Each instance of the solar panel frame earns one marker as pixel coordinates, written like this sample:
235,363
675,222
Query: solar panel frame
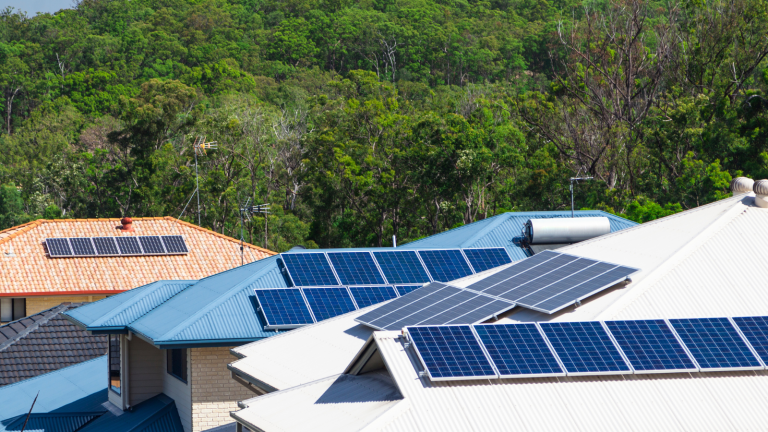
606,343
79,246
150,244
522,349
439,272
362,295
368,272
724,347
386,260
295,294
301,281
58,247
100,242
126,248
328,302
755,330
174,244
636,351
481,268
418,338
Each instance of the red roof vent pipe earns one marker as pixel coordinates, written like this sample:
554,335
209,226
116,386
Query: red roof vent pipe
127,224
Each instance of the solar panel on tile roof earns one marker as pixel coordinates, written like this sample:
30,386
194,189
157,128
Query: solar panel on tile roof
405,289
283,308
755,329
309,269
445,265
450,353
151,245
328,302
105,246
485,259
368,295
715,344
651,346
518,350
58,247
585,348
355,268
401,267
82,246
128,246
175,244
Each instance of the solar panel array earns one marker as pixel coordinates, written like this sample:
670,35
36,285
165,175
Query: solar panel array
528,350
391,267
69,247
546,282
287,308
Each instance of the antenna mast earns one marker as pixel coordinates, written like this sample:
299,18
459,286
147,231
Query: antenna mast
200,145
576,179
243,211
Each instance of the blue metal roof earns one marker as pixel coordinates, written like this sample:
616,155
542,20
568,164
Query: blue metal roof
157,414
221,310
57,422
505,230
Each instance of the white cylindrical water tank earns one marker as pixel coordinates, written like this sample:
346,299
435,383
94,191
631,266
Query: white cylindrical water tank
565,230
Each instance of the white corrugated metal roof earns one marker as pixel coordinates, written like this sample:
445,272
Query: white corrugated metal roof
702,262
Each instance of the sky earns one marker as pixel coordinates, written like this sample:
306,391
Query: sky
34,6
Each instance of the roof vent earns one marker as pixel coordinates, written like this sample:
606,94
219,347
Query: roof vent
127,224
761,193
741,185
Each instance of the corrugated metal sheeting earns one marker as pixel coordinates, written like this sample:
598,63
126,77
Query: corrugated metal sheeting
67,422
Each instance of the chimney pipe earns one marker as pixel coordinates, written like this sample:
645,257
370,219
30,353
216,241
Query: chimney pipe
127,224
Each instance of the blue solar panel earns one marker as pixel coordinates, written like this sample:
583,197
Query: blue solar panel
405,289
585,348
283,308
518,350
485,259
309,269
366,296
152,245
105,245
451,352
174,244
355,268
401,267
58,247
445,265
328,302
128,246
715,344
755,329
651,346
82,246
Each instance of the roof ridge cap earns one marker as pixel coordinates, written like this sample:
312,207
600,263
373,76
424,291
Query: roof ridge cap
21,229
226,237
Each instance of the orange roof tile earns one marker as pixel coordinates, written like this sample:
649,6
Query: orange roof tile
26,269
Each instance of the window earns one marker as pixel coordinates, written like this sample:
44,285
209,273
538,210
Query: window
177,363
114,363
12,309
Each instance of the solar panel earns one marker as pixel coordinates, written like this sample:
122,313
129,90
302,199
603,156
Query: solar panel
401,267
379,313
520,267
474,308
585,348
105,245
484,259
715,344
355,268
518,350
445,265
328,302
755,329
152,245
82,246
175,244
450,353
309,269
58,247
651,346
366,296
408,305
128,246
538,277
405,289
283,308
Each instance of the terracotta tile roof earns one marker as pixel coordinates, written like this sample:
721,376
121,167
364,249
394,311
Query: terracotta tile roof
26,269
45,342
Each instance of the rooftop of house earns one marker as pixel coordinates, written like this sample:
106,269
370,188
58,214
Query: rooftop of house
698,263
26,268
45,342
221,310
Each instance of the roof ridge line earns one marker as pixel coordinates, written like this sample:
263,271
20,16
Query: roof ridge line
499,220
21,229
135,299
27,330
674,258
232,239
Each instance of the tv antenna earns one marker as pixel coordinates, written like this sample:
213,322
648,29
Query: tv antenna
243,214
246,210
200,146
576,180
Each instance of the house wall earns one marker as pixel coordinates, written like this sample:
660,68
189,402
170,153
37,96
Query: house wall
179,391
214,392
145,375
37,304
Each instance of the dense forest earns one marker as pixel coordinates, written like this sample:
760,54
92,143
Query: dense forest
359,119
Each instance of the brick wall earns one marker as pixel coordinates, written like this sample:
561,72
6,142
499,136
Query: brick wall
214,392
37,304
